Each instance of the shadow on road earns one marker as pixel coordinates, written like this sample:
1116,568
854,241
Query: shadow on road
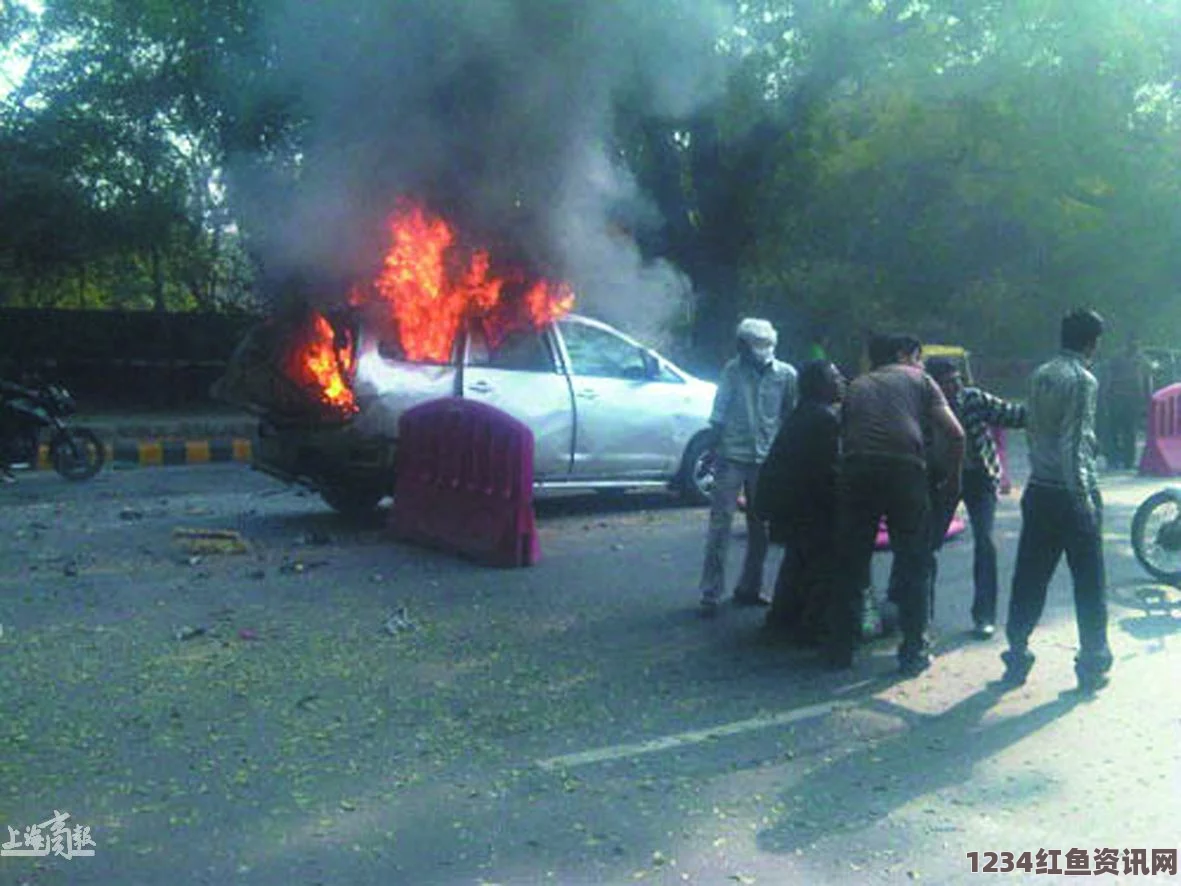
935,752
1159,606
604,503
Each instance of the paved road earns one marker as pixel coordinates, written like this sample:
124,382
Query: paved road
346,710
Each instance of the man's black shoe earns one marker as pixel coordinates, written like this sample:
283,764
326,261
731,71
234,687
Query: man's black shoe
751,600
984,630
913,665
1093,676
1018,664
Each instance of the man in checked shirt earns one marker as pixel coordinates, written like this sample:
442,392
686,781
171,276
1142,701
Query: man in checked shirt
1061,510
979,412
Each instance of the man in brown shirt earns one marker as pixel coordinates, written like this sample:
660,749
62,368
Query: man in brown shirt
883,473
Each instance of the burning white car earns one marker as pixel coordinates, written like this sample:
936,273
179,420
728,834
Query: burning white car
606,412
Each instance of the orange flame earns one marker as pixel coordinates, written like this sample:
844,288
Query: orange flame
429,286
318,364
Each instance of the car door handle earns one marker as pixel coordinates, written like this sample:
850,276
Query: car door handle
480,387
587,395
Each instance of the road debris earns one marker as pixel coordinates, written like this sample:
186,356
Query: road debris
210,541
189,632
131,514
297,567
399,622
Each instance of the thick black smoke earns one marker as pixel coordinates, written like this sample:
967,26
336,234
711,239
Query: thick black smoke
499,114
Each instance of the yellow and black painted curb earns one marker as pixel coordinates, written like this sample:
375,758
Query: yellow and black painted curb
161,453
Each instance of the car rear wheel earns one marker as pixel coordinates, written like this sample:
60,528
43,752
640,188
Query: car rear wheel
697,471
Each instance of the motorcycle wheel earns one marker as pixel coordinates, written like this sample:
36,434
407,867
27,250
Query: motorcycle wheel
1156,535
77,454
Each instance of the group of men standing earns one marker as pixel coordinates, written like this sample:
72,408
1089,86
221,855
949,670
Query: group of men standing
823,461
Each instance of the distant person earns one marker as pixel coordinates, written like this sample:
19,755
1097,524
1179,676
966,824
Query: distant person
883,473
797,496
1061,509
978,412
1125,391
819,348
755,392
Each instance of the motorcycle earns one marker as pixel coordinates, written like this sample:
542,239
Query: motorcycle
29,415
1156,535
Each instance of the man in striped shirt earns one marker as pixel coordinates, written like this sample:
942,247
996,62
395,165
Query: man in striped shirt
1061,510
979,412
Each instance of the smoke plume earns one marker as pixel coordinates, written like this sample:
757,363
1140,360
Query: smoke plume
499,114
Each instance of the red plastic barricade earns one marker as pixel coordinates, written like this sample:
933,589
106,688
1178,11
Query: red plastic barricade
465,482
1162,449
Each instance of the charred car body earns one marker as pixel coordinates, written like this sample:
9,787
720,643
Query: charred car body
606,412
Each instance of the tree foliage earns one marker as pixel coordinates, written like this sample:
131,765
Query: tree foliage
966,168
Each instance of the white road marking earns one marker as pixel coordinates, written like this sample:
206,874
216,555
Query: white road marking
696,736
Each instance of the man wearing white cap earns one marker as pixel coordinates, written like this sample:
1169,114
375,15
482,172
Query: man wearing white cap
755,392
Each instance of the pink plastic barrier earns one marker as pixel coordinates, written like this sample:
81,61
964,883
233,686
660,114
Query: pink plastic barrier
1162,449
882,542
465,482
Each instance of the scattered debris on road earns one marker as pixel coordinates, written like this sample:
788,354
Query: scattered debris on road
399,622
210,541
296,567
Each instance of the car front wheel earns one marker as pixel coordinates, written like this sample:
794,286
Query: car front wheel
697,471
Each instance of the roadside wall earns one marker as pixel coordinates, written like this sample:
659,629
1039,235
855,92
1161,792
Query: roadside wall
119,359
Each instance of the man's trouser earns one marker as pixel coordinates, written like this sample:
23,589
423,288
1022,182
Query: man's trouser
1125,416
979,497
729,479
1051,525
869,488
979,494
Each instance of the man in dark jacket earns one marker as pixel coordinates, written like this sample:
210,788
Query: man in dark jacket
797,495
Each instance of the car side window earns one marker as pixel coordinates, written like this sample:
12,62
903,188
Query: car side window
601,354
524,350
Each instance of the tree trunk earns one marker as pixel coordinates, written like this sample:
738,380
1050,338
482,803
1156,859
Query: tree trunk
157,279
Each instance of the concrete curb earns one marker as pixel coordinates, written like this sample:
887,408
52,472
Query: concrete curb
168,453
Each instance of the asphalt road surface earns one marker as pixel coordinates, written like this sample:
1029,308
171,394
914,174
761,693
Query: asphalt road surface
330,707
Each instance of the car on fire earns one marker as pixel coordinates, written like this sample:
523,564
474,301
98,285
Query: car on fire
606,412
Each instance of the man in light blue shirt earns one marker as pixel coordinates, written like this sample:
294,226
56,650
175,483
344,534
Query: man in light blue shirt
755,392
1061,510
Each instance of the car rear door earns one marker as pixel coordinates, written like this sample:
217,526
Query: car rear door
521,375
625,405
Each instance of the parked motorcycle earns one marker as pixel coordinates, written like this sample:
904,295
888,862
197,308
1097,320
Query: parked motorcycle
1156,535
29,416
